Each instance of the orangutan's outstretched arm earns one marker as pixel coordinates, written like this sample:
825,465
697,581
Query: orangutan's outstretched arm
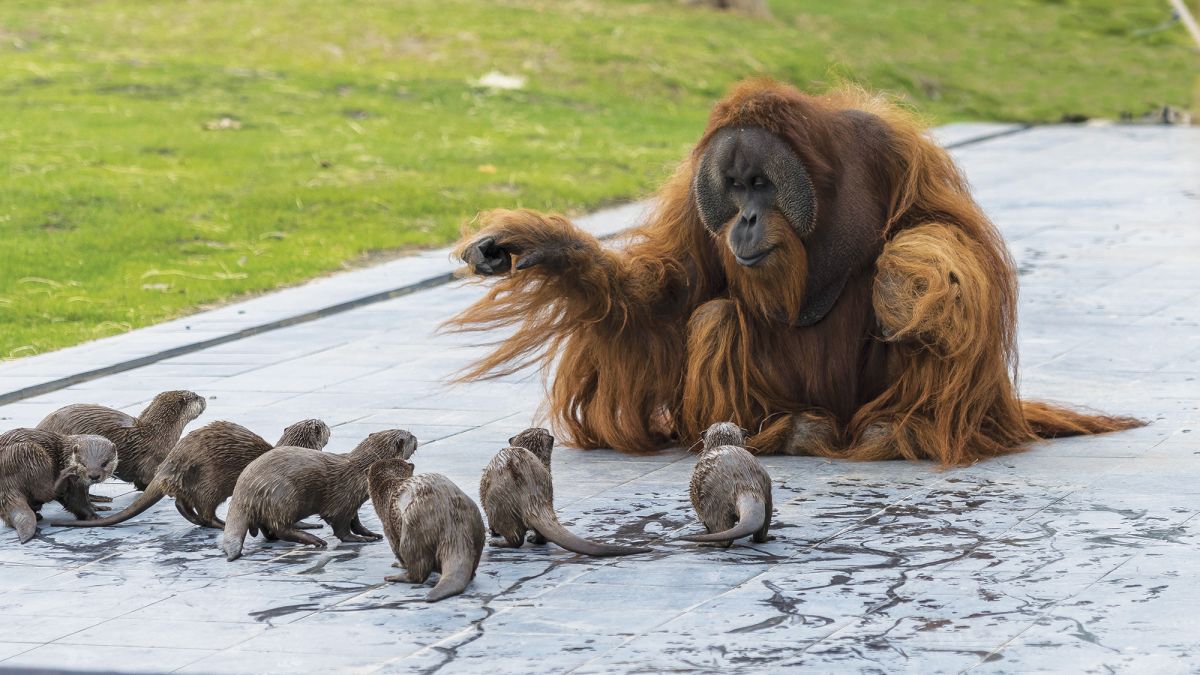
599,311
548,259
611,321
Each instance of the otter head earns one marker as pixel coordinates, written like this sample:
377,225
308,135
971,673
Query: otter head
171,407
91,459
385,475
536,440
724,433
387,445
313,434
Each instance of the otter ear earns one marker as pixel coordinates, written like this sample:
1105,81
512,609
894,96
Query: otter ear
708,185
849,235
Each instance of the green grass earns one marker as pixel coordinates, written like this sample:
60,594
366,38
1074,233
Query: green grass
361,133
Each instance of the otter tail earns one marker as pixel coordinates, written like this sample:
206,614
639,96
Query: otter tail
1054,421
752,514
457,573
18,514
546,523
151,496
236,524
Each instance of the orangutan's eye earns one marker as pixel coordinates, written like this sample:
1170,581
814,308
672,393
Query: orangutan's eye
759,182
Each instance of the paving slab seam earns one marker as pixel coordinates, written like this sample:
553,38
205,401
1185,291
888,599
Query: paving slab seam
477,628
234,647
99,622
1077,490
464,431
32,646
627,482
1026,519
1042,615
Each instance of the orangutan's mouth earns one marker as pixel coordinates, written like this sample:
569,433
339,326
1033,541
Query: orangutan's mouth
752,260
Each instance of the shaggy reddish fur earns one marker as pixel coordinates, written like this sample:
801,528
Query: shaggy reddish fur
651,344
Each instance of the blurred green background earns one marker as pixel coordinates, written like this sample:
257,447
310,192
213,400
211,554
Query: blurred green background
161,156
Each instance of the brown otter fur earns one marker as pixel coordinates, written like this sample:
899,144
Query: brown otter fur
287,484
143,441
202,469
730,489
517,493
431,525
40,466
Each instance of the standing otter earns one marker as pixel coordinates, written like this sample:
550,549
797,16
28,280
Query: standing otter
201,470
517,493
143,441
41,466
288,483
730,489
431,525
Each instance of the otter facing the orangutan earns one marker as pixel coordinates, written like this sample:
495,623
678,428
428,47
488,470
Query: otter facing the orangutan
816,271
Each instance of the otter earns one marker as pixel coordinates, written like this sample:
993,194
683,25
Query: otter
40,466
517,493
201,470
143,441
288,483
730,489
431,525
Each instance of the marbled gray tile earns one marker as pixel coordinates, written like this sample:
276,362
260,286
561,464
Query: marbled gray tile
56,657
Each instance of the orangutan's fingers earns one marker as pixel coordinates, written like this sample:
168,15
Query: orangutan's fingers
532,259
486,257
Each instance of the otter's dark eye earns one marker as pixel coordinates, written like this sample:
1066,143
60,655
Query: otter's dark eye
105,464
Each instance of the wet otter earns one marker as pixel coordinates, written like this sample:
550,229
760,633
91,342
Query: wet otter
40,466
431,525
517,494
730,489
143,441
287,484
202,469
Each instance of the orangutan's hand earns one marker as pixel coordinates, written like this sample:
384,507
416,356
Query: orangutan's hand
487,258
532,238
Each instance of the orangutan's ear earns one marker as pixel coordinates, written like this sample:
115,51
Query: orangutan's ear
849,232
708,184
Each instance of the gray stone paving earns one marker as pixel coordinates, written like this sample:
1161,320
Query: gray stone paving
1079,555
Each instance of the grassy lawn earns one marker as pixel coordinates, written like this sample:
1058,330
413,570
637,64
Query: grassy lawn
158,156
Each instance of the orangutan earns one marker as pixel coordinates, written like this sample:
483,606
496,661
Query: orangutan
816,271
